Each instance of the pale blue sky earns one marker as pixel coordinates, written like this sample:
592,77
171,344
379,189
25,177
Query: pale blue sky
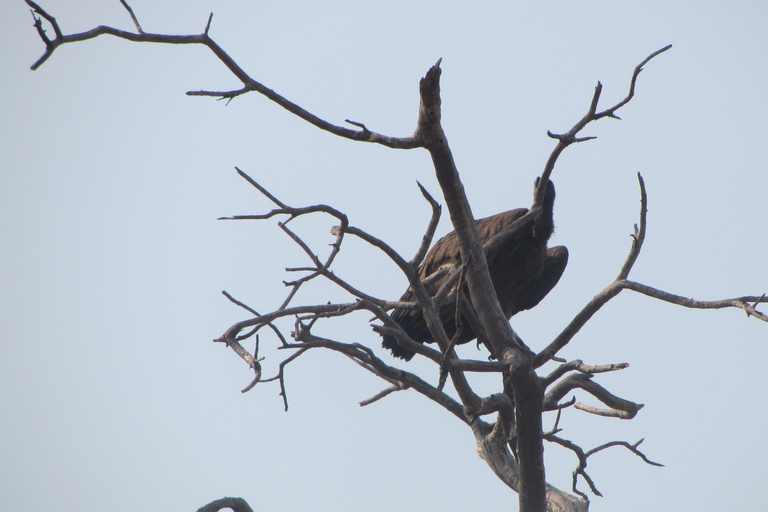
112,394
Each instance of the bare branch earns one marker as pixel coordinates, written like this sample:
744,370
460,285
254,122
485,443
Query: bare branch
630,447
256,378
379,368
261,189
493,449
405,266
739,302
579,366
638,237
378,396
621,283
133,17
249,84
426,240
583,456
610,112
620,408
577,323
568,138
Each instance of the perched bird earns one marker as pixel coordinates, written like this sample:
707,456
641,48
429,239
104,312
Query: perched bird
522,269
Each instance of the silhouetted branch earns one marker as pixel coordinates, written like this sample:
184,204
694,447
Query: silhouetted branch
638,237
583,456
621,283
619,407
135,21
378,396
249,84
566,139
579,366
738,302
365,355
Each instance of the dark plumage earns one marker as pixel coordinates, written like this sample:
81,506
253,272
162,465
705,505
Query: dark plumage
523,271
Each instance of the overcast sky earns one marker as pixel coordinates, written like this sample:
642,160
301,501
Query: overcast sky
112,395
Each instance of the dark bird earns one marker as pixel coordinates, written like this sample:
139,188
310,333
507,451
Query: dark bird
522,269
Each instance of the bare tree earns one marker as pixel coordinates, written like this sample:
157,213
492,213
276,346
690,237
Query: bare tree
512,441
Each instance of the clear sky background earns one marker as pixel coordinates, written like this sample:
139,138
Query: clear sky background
112,395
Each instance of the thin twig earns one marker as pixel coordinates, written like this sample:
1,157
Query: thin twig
133,17
568,138
249,84
378,396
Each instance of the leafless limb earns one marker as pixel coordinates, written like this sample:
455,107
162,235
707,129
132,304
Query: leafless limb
631,447
281,374
738,302
570,137
426,240
583,456
133,17
249,84
619,407
638,237
376,366
747,303
579,366
378,396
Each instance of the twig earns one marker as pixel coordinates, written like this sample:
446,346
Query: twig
578,365
378,396
638,237
739,302
426,240
620,408
568,138
631,447
249,84
133,17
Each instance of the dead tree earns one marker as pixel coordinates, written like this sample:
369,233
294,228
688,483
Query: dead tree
512,442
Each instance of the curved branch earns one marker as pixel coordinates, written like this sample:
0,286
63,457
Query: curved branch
426,240
568,138
638,237
622,283
249,84
738,303
578,365
619,408
361,353
583,456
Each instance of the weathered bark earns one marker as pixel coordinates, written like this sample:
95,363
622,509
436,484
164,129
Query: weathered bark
529,393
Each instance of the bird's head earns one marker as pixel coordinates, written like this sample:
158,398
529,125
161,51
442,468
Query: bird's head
545,225
549,194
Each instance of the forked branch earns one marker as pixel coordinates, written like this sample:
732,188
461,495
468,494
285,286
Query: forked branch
747,303
570,137
582,456
249,84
